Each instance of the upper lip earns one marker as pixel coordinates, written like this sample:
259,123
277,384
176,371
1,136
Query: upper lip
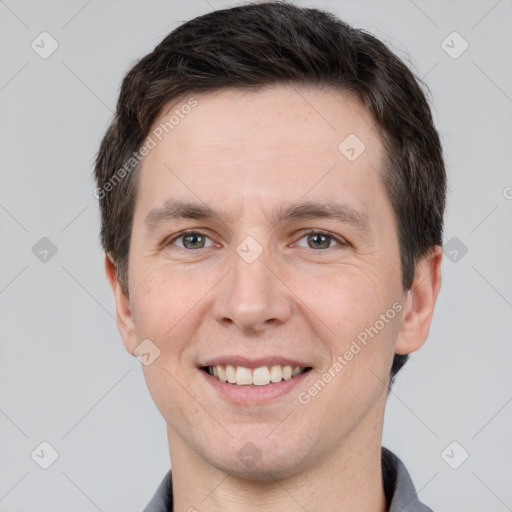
253,362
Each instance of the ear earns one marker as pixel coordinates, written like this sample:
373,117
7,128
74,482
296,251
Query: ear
420,302
124,318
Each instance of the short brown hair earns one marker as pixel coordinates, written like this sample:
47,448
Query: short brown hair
256,45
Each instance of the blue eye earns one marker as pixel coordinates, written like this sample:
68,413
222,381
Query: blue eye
320,239
315,239
191,240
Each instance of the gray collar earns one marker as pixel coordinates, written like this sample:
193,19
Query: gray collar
400,493
398,486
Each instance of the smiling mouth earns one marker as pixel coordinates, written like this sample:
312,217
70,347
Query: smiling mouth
243,376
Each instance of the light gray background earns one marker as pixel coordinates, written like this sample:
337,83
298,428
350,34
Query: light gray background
65,377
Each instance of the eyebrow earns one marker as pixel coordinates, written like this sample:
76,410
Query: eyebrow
179,209
313,210
176,210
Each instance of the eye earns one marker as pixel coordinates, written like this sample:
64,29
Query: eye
316,239
190,240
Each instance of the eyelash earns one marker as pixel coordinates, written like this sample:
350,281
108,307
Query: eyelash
340,241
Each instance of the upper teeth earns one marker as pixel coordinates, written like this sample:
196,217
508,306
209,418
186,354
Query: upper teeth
261,376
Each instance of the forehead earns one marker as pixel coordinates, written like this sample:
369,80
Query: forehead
229,146
235,120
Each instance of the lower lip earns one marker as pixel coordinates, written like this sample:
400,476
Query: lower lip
250,395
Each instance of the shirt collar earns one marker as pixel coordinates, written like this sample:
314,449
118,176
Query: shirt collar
398,486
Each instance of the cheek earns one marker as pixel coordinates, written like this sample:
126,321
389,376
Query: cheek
344,299
165,310
163,303
354,313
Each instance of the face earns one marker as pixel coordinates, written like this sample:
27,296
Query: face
289,258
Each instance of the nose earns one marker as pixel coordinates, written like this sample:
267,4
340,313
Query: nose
252,296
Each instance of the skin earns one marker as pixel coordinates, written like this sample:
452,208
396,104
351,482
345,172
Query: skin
245,154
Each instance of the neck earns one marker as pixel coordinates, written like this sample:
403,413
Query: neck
349,479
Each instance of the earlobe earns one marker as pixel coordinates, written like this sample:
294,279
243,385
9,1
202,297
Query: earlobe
124,317
420,302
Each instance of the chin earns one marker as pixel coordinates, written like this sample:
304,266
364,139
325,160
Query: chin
260,459
260,471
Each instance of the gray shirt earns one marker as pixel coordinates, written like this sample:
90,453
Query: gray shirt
398,487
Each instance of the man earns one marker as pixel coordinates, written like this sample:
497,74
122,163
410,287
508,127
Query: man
272,191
